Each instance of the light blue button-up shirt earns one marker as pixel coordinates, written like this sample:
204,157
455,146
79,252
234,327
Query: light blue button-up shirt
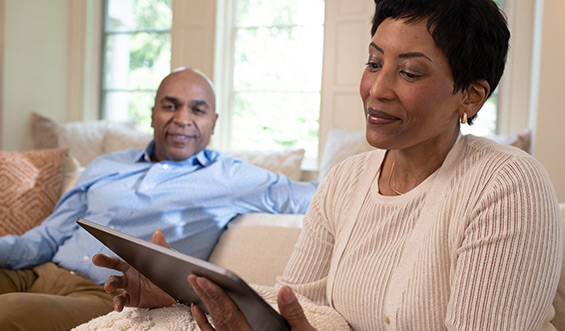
191,201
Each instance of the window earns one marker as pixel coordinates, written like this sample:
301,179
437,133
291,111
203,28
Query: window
136,56
486,122
274,94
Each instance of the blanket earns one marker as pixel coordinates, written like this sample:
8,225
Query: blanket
178,317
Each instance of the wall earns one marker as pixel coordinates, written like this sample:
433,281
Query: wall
548,107
34,68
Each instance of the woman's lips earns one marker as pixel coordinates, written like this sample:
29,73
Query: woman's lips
380,118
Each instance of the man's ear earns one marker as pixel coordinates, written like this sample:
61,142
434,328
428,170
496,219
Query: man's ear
214,123
474,97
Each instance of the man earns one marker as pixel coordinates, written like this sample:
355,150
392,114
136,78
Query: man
175,185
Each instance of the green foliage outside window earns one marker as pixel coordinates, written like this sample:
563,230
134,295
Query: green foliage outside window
277,74
137,56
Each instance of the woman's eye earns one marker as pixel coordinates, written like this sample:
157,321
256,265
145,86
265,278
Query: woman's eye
372,66
410,75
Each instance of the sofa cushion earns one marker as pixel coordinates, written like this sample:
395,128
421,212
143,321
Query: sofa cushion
257,246
31,185
83,139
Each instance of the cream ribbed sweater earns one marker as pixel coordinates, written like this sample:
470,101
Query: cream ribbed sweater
476,246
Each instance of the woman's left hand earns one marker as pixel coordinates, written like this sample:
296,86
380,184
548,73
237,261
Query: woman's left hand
226,314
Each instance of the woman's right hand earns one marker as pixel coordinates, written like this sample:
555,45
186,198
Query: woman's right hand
138,290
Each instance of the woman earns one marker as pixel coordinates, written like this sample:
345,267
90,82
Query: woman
436,230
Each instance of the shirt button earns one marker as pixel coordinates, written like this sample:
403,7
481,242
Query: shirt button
165,166
387,320
85,258
72,272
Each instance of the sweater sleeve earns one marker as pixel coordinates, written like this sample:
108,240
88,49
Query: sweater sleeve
507,265
314,250
309,265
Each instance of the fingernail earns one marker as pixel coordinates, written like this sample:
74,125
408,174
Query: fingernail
288,295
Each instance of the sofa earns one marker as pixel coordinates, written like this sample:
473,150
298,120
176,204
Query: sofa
254,246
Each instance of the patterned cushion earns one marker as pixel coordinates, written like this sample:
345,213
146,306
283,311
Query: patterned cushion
31,185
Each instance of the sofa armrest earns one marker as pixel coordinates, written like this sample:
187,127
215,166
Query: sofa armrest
257,246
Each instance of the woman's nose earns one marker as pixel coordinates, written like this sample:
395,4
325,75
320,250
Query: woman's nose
382,86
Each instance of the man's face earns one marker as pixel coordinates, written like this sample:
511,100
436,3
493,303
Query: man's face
183,117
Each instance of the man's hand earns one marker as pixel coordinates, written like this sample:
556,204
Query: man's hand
138,290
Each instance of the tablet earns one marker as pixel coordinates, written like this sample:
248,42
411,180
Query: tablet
169,270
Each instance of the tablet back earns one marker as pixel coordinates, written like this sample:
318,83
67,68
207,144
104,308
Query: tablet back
169,270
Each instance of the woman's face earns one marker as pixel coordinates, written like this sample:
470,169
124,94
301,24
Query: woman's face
407,89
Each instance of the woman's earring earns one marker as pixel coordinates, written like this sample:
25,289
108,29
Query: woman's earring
464,118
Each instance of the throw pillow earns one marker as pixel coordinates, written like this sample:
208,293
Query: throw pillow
341,144
83,139
118,139
286,162
31,185
522,140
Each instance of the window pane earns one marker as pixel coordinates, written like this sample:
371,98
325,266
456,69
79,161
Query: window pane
136,61
485,123
276,121
135,15
280,12
277,70
278,58
137,104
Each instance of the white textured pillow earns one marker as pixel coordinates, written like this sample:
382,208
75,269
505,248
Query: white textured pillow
83,139
286,162
122,138
341,144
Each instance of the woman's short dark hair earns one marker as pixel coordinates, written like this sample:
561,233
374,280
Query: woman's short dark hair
473,34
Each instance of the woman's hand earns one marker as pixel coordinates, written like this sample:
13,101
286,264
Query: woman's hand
227,316
138,290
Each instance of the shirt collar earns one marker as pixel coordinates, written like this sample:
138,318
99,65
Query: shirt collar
203,158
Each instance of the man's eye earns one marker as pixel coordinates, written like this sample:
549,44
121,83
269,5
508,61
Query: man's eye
169,107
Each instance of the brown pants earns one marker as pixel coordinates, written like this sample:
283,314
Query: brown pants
49,297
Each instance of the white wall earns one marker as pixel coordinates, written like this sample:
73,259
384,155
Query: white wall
34,68
549,85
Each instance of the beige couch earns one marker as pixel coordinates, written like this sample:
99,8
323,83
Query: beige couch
254,246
